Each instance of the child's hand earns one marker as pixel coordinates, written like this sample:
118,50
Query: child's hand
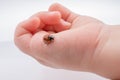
77,39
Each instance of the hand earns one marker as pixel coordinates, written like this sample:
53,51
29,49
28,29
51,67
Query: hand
76,38
77,44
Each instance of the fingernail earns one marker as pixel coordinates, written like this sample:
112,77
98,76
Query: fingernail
65,23
54,12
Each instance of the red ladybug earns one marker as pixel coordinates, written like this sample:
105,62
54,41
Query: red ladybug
48,39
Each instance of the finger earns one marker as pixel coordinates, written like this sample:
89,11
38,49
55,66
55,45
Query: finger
49,18
61,26
27,26
66,14
23,33
51,21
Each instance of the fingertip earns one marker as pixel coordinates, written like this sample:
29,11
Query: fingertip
55,13
63,10
53,6
63,25
55,16
66,24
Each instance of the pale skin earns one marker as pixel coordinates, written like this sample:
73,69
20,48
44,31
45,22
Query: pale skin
81,43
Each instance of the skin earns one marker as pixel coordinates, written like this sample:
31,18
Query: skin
81,43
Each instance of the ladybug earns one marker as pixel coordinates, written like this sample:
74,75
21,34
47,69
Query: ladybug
48,39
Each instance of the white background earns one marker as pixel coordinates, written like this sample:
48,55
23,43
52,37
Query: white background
16,66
